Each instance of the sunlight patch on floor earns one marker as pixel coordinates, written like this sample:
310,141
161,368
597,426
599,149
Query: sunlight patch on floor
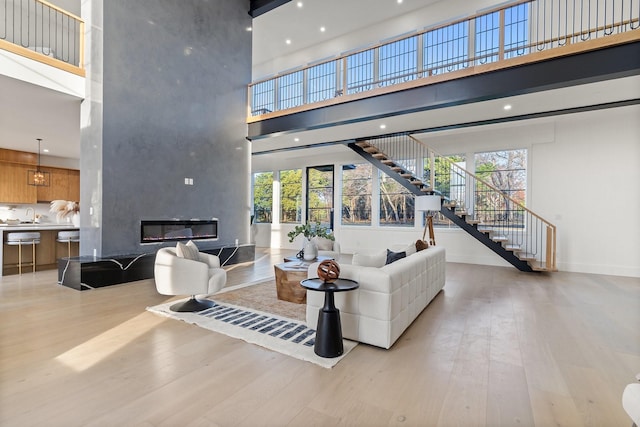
99,348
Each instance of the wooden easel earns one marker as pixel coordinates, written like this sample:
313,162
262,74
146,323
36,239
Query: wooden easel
432,236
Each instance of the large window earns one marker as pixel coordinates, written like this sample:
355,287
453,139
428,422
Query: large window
446,49
291,196
290,90
356,194
360,71
506,171
262,196
320,195
448,181
396,202
322,82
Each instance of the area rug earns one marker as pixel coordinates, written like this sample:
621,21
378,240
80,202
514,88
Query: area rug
256,316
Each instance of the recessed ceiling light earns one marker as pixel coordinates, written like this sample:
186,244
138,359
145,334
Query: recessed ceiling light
399,1
507,107
249,29
383,126
299,4
288,41
45,150
323,29
296,139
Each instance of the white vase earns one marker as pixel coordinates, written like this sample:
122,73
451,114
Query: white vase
75,219
310,250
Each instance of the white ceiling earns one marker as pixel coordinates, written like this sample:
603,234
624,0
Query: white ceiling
28,112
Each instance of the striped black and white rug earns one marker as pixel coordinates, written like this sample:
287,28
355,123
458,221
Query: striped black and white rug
277,333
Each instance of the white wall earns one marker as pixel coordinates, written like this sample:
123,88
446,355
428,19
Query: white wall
587,181
575,162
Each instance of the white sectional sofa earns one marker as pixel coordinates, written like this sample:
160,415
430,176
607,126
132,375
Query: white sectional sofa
389,297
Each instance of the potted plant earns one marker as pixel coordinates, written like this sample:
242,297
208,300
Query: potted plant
309,249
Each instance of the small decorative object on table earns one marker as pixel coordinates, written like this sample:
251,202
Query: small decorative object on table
328,271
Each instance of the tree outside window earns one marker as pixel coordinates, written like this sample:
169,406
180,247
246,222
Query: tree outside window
262,196
396,202
320,195
506,171
356,194
291,196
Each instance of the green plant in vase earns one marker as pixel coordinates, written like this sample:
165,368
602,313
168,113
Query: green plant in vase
309,250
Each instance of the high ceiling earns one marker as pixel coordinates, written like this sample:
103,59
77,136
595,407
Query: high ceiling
28,112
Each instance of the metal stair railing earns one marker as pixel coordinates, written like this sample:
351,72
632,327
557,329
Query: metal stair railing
472,203
494,212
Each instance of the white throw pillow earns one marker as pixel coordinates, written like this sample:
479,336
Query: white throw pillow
188,251
376,259
323,244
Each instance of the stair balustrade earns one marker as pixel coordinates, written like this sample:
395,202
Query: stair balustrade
488,213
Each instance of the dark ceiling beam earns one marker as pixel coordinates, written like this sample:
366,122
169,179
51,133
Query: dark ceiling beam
258,7
589,67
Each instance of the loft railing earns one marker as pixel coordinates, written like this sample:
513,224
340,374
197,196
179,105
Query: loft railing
44,32
520,32
491,209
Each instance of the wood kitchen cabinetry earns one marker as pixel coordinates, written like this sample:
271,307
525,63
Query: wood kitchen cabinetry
13,184
14,167
65,185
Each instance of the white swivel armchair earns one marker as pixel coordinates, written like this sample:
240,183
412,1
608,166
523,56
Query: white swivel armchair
631,401
176,275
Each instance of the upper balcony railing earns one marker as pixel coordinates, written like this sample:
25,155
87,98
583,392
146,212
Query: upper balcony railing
43,32
521,32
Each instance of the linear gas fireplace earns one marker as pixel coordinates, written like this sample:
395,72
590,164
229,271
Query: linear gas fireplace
168,230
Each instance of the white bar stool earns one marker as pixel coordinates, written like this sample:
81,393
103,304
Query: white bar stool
68,237
26,238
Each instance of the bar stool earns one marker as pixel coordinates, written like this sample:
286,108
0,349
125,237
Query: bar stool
68,237
26,238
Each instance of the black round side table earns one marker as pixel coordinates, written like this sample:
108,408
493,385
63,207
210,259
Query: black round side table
329,330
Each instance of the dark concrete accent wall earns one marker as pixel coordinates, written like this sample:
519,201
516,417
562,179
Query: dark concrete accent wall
173,107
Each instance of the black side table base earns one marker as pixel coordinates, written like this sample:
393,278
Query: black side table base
329,331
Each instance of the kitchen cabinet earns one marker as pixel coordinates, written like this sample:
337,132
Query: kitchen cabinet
14,166
74,185
13,184
59,188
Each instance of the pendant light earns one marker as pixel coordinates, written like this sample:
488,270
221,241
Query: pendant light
38,177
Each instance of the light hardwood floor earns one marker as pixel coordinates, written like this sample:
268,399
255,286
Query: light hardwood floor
496,348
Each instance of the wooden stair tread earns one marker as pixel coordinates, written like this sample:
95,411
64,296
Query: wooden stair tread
388,162
473,221
513,248
527,257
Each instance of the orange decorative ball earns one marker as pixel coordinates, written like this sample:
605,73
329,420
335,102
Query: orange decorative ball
328,271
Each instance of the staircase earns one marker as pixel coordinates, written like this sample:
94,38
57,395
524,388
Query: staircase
502,224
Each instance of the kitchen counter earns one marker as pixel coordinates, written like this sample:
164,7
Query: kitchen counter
47,251
36,227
